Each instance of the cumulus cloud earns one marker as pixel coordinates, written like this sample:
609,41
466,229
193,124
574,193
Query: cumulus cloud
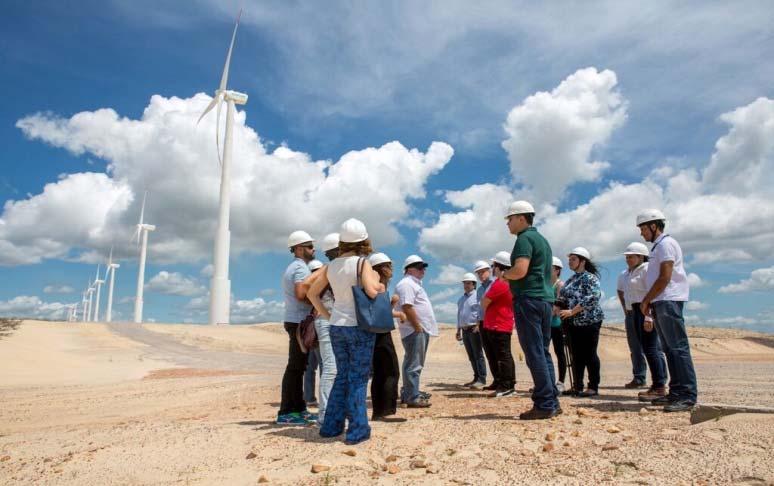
446,312
242,311
58,289
445,294
449,275
551,136
167,154
31,306
174,283
695,305
695,281
760,279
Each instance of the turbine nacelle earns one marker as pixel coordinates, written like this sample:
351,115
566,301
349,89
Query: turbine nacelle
235,96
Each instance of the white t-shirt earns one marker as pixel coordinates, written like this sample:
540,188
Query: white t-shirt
634,285
666,249
342,275
410,291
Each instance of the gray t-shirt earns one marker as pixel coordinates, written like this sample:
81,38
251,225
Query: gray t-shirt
295,310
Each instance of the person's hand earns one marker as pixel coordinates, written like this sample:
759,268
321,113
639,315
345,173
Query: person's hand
648,325
458,335
645,307
417,327
565,314
475,328
402,316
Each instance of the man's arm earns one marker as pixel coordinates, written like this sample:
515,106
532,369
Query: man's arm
664,276
411,317
519,269
621,299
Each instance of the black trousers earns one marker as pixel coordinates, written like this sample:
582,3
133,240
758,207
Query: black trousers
585,340
490,354
557,337
293,379
384,384
500,343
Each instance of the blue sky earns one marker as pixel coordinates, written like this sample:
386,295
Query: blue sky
591,112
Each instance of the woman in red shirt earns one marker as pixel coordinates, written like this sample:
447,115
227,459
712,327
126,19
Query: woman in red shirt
497,305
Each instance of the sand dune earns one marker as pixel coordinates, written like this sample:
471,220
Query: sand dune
164,404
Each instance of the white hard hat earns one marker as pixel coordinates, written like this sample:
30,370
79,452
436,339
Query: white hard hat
352,231
637,248
298,237
330,242
314,265
519,207
649,215
469,277
412,259
582,252
378,258
503,258
481,265
557,262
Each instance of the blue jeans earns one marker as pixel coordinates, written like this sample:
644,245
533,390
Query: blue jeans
415,347
475,350
353,349
651,346
313,361
639,365
327,363
668,318
533,326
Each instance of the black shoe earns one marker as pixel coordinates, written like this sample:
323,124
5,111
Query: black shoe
590,392
680,406
491,387
538,414
572,393
390,419
635,384
665,400
469,383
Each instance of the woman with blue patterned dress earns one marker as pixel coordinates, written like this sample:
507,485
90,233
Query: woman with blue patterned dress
580,298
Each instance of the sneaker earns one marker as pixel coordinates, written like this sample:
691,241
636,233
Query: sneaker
311,403
309,416
680,406
635,384
291,419
469,383
560,386
537,414
477,385
502,393
571,392
491,387
665,400
590,392
419,403
651,394
425,395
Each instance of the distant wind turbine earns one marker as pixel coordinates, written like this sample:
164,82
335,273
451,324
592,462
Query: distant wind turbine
220,285
98,285
142,239
89,315
110,270
84,303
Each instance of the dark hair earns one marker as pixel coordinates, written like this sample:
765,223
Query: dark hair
530,217
590,267
500,266
645,258
379,268
332,254
361,248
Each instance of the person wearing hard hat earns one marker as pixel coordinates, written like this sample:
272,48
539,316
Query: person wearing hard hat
292,405
668,291
386,370
483,271
330,246
640,329
557,333
530,276
353,347
313,355
580,297
497,307
467,320
636,255
416,330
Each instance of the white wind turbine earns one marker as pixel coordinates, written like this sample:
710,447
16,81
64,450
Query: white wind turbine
142,239
110,270
97,285
220,285
84,304
90,292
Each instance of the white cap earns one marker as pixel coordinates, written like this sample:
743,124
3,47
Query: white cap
298,237
580,251
378,258
557,262
649,215
519,207
481,265
503,258
412,259
469,277
637,248
352,231
314,265
330,242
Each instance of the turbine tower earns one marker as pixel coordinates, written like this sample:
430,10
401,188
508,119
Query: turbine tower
98,285
89,315
142,239
84,303
111,269
220,285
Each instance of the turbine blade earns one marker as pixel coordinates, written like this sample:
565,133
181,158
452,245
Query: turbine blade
217,132
136,235
224,78
142,211
215,99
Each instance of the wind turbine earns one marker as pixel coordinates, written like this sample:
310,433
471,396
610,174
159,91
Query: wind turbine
84,303
98,285
142,239
220,285
111,269
89,315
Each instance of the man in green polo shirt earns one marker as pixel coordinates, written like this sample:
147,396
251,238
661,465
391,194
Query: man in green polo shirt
533,297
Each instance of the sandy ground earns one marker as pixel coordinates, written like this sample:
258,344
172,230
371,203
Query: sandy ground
183,404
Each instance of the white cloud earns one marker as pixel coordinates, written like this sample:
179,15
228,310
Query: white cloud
31,306
166,153
445,294
174,283
242,311
446,312
695,281
760,279
449,275
695,305
551,135
58,289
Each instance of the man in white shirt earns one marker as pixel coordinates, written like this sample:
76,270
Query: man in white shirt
639,366
416,330
668,292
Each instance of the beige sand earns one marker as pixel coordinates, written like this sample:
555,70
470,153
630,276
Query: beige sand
182,404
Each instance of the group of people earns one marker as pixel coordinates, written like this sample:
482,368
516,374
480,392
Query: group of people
520,290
